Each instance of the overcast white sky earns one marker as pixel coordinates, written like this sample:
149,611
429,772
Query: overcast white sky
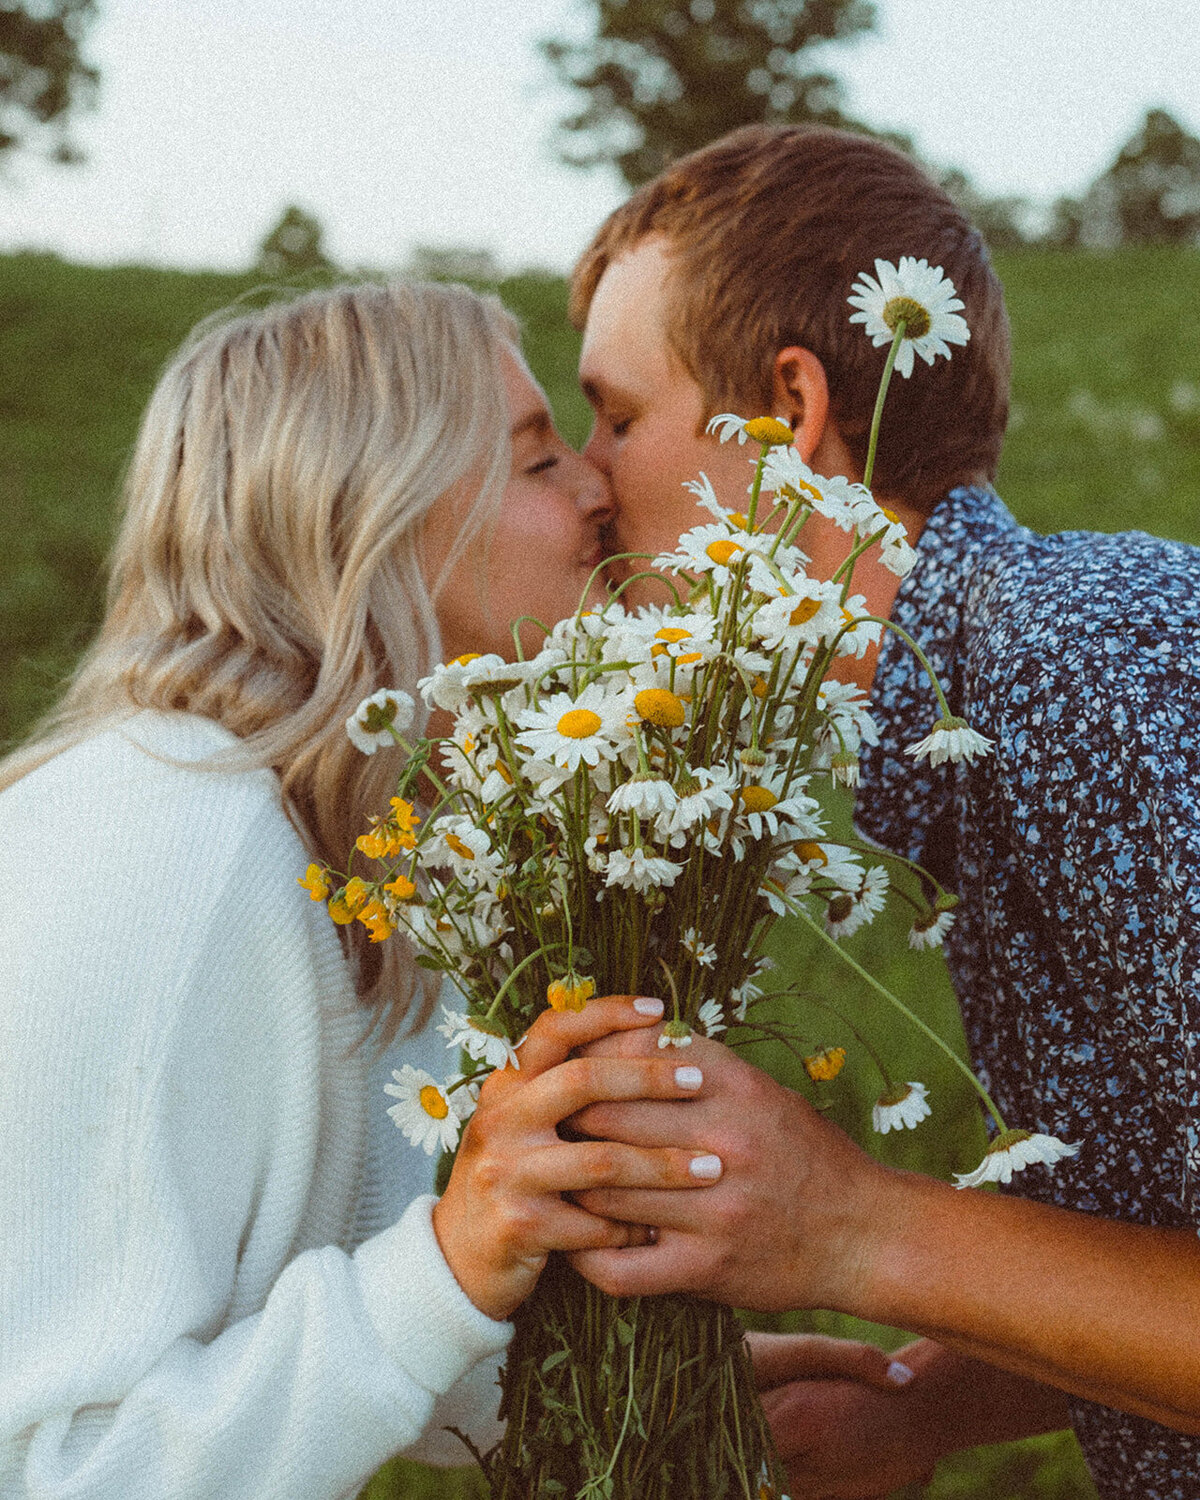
405,122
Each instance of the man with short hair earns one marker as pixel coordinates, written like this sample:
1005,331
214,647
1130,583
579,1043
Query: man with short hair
722,285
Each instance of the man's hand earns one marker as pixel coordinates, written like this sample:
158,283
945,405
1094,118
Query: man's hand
850,1422
791,1223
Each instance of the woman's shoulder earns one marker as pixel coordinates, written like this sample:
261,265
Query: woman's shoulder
148,804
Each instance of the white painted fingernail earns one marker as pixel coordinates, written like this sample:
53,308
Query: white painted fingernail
707,1168
899,1373
689,1078
647,1005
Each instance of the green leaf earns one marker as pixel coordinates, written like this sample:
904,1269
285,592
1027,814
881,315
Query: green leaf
552,1360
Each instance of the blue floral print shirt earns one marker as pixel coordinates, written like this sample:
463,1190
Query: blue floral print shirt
1075,848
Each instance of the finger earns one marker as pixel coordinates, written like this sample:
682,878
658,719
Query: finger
667,1209
555,1033
575,1232
783,1357
578,1167
644,1270
540,1103
644,1122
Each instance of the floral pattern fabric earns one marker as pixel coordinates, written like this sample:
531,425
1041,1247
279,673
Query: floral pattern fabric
1076,850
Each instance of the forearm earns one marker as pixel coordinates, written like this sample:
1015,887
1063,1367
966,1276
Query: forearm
1103,1310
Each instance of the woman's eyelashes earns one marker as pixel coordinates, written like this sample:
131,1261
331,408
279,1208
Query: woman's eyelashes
543,465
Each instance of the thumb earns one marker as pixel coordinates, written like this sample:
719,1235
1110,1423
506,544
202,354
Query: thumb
782,1357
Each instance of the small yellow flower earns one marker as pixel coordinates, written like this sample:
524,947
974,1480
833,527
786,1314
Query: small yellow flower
401,888
661,707
404,817
769,430
375,918
315,883
349,901
377,844
825,1064
572,992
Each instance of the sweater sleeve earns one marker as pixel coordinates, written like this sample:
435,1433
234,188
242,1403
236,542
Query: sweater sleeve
162,1083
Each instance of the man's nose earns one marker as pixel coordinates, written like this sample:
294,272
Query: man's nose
594,496
595,450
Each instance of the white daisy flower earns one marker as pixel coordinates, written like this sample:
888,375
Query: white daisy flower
468,851
898,557
763,807
784,470
742,996
636,870
573,731
850,910
901,1108
704,953
835,863
428,1113
483,1040
918,294
675,1034
846,722
951,738
1013,1151
728,424
812,613
371,724
711,1017
863,632
449,685
714,549
704,792
928,932
647,796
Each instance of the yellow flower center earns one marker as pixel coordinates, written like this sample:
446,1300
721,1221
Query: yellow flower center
578,723
804,611
570,994
462,850
690,658
722,550
467,656
909,311
672,633
658,706
757,799
738,520
825,1064
889,515
433,1102
811,854
896,1095
768,430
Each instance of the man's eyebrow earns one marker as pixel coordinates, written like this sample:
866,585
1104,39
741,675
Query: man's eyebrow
600,391
536,420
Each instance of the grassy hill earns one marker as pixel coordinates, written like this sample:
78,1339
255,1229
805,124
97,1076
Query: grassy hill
1105,435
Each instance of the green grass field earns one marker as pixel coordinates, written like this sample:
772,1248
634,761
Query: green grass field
1105,435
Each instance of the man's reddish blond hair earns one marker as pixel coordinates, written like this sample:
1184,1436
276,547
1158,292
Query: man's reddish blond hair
767,229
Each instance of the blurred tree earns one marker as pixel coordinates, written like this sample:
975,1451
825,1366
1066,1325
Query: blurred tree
42,73
1149,196
454,263
293,247
1006,223
662,77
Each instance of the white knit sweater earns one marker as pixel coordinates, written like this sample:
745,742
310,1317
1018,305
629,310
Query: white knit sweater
183,1136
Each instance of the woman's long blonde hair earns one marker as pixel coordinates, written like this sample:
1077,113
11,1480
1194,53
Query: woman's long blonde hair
267,569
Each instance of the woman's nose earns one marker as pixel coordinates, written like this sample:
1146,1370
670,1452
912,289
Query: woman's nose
594,497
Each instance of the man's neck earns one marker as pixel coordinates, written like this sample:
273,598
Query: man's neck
827,547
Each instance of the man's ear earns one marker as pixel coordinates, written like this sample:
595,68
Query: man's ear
800,396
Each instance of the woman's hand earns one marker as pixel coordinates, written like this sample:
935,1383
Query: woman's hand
503,1210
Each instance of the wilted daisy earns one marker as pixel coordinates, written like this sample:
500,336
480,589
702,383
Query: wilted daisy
951,738
479,1038
702,793
850,910
428,1114
703,953
928,931
638,871
1013,1151
647,796
917,294
675,1034
711,1018
900,1108
371,724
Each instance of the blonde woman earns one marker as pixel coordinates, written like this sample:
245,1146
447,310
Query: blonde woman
221,1270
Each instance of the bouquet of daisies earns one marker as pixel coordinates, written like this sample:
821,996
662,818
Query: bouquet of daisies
629,811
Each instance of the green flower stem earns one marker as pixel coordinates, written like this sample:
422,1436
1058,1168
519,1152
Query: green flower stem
884,382
519,968
756,487
989,1104
916,651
